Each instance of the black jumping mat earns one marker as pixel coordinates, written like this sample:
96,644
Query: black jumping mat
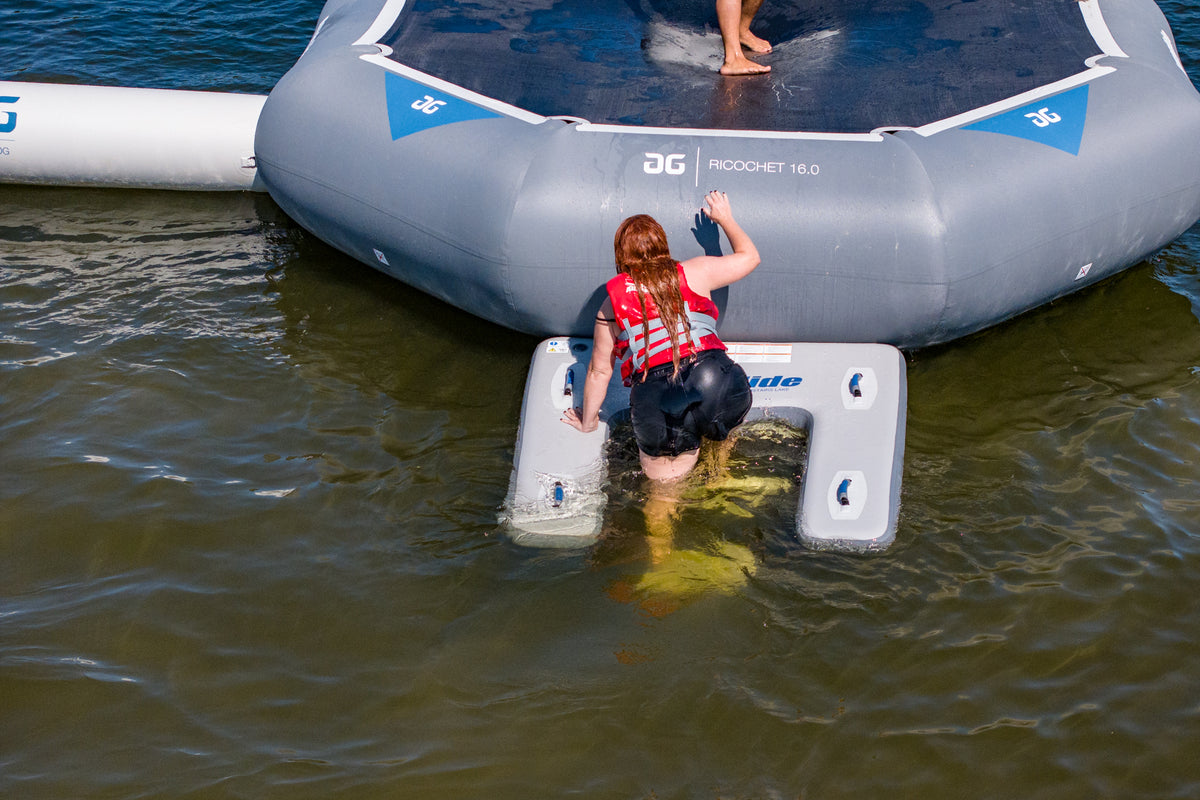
838,66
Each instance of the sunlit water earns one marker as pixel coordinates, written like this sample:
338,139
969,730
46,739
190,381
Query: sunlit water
249,542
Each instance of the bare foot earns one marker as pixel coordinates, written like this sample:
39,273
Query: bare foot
743,66
755,44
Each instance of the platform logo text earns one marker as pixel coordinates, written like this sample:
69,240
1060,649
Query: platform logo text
658,164
774,382
8,119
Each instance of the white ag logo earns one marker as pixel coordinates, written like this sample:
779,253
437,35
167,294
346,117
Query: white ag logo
428,105
1044,118
657,164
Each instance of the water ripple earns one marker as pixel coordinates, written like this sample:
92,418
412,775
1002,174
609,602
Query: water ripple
248,538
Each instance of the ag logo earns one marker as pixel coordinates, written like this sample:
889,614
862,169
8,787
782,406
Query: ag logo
8,119
1044,118
657,164
428,105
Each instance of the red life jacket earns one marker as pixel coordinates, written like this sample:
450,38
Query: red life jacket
631,347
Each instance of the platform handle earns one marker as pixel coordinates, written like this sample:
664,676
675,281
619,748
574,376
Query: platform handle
855,386
843,492
569,383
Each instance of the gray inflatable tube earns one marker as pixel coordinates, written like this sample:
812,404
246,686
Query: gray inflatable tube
911,172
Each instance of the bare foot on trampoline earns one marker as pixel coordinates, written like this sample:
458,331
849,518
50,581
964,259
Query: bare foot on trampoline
755,44
740,65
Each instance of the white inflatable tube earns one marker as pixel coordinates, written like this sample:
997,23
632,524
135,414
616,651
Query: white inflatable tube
135,138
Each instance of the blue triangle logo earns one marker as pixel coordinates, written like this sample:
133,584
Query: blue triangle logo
1057,121
414,107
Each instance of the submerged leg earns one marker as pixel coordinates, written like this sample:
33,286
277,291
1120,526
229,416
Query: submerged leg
713,466
665,474
677,575
661,507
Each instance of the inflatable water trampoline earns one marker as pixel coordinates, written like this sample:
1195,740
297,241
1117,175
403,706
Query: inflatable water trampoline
911,171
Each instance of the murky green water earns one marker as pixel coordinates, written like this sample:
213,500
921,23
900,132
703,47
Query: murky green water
249,548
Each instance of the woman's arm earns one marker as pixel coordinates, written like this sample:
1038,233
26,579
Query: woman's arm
706,273
599,373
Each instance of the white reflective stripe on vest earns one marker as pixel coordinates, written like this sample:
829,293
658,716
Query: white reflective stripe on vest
701,325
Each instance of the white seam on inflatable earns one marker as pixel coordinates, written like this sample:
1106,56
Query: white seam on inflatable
316,33
737,134
1174,52
1099,28
383,23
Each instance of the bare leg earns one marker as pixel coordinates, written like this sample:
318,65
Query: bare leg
751,42
730,15
660,510
665,474
676,576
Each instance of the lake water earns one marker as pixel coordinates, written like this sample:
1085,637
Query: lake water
249,543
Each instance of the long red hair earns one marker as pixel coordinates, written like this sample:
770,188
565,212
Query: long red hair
640,247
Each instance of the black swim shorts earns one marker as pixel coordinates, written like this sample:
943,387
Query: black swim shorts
709,400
